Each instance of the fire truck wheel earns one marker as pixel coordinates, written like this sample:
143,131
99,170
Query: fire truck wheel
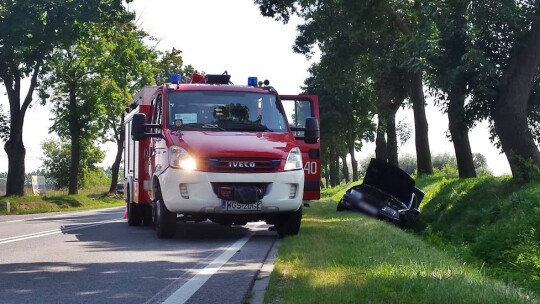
146,211
289,223
164,220
134,214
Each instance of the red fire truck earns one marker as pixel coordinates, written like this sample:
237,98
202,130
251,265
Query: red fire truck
210,150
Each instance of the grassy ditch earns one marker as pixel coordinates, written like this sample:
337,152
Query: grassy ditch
60,201
490,221
350,258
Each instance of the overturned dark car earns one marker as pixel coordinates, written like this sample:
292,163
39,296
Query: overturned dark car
387,192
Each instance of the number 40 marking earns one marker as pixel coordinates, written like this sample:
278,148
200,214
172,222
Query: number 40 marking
310,167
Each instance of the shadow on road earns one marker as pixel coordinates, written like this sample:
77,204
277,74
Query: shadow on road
127,282
121,237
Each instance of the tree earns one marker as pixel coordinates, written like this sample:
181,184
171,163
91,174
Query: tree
92,83
171,62
378,33
29,32
505,58
130,66
448,72
57,161
349,102
510,113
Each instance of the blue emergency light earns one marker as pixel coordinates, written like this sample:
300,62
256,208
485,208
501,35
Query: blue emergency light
176,78
252,81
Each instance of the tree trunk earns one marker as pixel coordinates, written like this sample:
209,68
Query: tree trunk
327,176
510,111
75,134
15,151
380,140
354,162
423,152
334,167
118,159
116,165
345,168
392,147
460,133
14,146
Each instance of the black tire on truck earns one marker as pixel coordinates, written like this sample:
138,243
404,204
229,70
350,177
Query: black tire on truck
134,212
289,223
147,216
164,220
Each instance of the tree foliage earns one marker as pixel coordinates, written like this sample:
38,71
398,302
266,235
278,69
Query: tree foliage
383,41
171,62
4,125
91,83
346,113
57,160
480,59
29,33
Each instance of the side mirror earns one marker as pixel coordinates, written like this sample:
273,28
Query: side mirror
311,133
138,127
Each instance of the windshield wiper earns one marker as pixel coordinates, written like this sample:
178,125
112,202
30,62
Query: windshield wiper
202,126
244,126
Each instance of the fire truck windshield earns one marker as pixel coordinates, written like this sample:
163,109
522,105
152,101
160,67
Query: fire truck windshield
224,111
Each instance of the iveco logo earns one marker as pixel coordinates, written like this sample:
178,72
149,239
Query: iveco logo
234,164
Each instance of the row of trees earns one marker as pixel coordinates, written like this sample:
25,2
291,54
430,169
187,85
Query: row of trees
478,58
86,58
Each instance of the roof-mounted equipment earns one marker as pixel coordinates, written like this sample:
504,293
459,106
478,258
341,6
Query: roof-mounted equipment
224,78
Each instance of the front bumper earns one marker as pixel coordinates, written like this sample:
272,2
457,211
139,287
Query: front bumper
202,199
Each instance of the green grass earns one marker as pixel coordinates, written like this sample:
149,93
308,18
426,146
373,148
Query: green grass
350,258
488,220
337,192
61,201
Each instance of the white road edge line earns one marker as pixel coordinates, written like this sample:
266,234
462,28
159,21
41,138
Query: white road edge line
61,214
181,295
51,232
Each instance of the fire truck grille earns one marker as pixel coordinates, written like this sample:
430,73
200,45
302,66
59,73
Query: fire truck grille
247,165
217,186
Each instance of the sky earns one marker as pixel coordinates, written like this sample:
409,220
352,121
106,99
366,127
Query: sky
217,36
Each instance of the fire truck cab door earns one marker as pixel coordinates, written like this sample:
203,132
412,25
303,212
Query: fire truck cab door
297,109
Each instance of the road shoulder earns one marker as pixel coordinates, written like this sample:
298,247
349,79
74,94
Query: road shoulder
258,289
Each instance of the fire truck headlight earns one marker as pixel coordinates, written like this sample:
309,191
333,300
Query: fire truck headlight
294,160
180,158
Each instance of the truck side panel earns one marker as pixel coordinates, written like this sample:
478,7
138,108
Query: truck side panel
135,170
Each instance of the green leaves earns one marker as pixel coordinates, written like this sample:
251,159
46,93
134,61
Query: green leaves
169,63
57,160
4,125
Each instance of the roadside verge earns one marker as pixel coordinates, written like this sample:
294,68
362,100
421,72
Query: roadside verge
349,258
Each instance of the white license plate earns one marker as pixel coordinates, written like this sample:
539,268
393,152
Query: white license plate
233,205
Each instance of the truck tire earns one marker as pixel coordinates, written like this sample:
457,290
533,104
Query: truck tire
134,212
289,223
147,217
164,220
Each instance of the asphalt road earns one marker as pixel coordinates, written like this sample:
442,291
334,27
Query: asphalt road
95,257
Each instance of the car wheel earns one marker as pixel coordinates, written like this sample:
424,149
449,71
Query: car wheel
340,206
289,223
164,220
